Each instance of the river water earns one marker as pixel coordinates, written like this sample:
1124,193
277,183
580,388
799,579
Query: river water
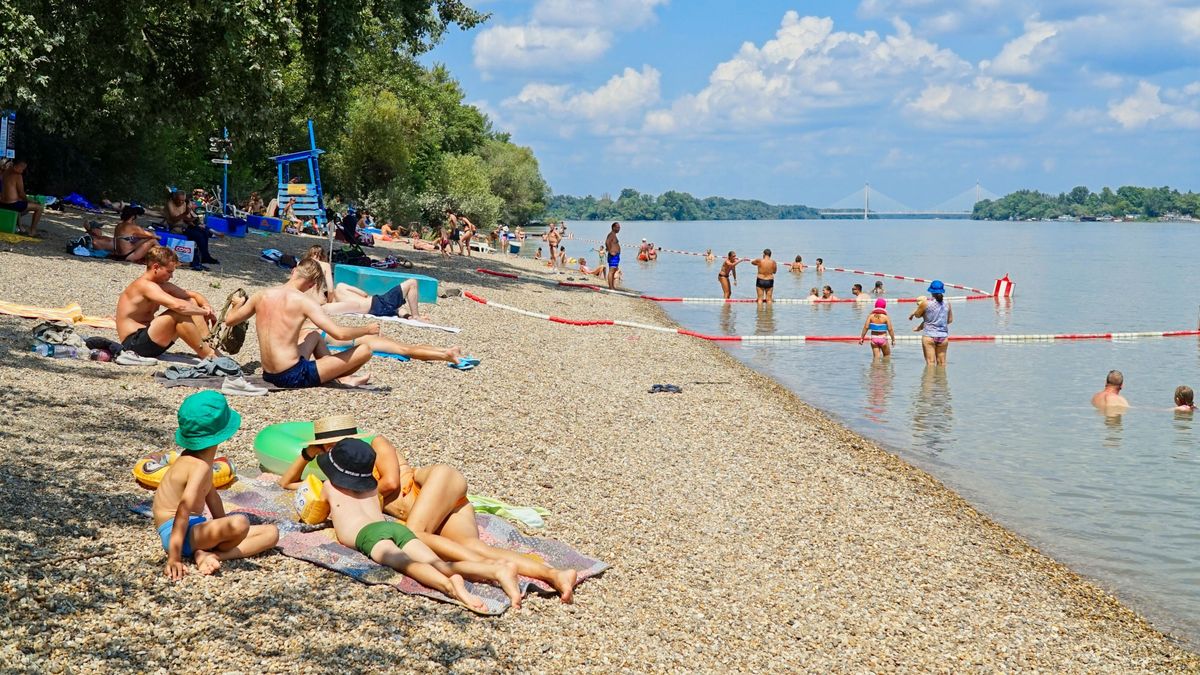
1008,426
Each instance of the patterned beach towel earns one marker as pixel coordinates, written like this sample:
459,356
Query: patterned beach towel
71,313
264,501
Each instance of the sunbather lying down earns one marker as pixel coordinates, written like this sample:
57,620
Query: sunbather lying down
399,301
432,500
380,343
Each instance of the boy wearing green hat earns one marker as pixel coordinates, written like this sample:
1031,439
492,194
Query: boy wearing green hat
205,421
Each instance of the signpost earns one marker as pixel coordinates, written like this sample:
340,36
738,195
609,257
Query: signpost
8,134
222,146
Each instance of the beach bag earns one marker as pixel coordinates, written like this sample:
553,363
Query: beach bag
186,250
228,339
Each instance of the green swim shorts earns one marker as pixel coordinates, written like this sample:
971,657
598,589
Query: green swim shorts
376,532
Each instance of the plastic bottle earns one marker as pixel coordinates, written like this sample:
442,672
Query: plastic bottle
43,349
57,351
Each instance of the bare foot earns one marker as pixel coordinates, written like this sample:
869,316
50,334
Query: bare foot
471,602
454,354
564,582
206,563
506,576
354,380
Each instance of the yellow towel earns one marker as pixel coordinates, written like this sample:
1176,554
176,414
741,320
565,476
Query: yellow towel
71,313
10,238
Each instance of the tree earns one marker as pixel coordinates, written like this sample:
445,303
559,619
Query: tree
516,179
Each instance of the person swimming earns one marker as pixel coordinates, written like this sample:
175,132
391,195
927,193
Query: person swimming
878,290
827,293
1184,399
798,265
814,294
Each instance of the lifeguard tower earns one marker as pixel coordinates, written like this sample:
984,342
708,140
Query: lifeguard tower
310,203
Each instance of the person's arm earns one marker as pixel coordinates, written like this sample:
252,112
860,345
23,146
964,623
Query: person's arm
199,478
313,312
891,332
949,314
241,310
182,305
290,480
216,507
862,336
392,468
733,273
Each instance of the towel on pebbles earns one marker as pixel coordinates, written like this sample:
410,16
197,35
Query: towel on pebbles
262,500
408,322
256,380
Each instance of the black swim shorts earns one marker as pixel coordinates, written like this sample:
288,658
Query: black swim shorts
765,283
140,343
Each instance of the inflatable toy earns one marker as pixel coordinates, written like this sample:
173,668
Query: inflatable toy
278,445
643,257
149,471
309,505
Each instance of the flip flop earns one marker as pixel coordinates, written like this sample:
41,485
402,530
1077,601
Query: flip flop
461,364
469,359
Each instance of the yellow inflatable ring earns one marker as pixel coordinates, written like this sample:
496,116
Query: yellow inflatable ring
149,471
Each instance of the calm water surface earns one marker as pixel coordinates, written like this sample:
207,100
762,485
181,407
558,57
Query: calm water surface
1008,426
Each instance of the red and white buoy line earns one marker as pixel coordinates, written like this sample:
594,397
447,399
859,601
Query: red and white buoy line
881,275
1051,337
714,301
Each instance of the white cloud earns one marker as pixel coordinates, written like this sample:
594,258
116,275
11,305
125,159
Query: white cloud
936,17
533,46
1027,53
807,67
1189,21
611,14
1145,107
612,107
983,100
562,34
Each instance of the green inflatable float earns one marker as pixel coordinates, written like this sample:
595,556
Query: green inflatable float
278,445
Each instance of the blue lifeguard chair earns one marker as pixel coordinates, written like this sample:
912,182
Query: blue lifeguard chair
310,203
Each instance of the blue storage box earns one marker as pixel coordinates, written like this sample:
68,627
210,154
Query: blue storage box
265,223
233,227
166,238
378,282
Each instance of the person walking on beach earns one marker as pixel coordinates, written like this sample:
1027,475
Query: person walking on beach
552,239
728,271
612,246
764,285
880,325
1110,396
937,316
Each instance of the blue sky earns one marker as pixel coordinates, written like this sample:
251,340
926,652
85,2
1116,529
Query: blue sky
803,102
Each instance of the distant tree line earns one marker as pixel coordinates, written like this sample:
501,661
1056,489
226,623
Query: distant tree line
1082,202
671,205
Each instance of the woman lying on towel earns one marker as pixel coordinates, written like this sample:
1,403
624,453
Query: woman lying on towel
432,501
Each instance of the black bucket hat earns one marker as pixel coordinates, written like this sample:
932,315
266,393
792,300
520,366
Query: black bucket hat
350,465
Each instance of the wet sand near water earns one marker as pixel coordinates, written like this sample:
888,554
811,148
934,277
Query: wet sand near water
746,530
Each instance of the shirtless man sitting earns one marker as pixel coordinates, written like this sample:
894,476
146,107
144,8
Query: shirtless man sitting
186,317
765,283
1110,396
289,361
432,501
180,218
13,197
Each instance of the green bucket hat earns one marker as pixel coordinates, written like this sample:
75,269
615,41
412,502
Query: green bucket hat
205,419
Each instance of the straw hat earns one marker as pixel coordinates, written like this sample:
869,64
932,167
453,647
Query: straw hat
333,429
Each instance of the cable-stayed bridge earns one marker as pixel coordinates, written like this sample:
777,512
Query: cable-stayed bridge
868,202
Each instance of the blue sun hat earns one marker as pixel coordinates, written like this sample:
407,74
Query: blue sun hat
937,287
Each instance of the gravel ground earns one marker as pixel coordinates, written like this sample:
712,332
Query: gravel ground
746,530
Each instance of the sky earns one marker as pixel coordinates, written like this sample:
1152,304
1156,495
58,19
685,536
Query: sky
804,102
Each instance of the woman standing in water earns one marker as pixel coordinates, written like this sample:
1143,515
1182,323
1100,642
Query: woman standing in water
880,325
938,316
728,268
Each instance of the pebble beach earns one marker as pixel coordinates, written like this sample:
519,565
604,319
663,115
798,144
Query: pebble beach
746,530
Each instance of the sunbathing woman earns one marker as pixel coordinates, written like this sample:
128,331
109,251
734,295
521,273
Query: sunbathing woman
586,271
432,500
130,241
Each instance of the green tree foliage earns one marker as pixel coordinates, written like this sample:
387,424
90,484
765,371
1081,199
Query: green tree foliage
1080,202
633,205
516,179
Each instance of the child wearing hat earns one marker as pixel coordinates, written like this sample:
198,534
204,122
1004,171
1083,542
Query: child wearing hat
205,421
354,507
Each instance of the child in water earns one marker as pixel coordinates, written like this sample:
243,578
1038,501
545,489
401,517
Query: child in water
1184,399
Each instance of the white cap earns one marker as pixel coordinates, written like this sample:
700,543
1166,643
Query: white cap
643,239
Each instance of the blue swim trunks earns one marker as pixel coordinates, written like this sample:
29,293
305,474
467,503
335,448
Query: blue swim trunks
300,376
164,533
614,260
388,304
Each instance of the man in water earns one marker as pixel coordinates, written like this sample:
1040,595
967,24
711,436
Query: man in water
613,247
765,283
13,197
1110,397
858,294
187,313
279,317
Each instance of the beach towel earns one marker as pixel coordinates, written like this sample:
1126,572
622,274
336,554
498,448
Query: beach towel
383,355
70,313
408,322
529,516
10,238
264,501
256,380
